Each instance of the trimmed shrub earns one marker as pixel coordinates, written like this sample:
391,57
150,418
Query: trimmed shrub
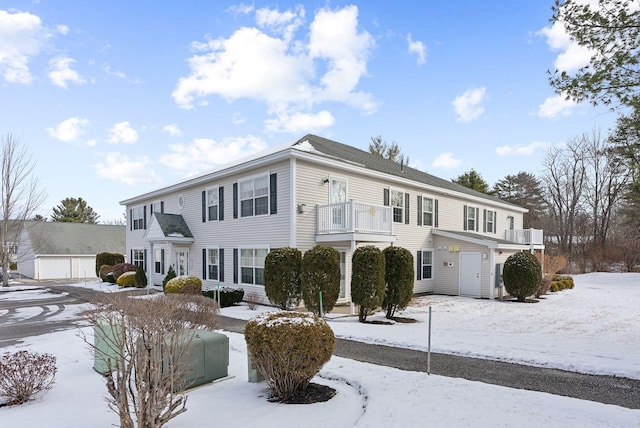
127,279
121,268
185,284
104,270
110,259
168,277
367,280
288,349
228,296
24,374
110,278
399,278
560,283
320,273
140,279
282,285
522,275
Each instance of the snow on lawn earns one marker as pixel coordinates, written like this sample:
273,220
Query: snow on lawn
367,396
590,329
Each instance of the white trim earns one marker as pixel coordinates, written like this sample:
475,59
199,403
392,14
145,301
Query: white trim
293,209
487,242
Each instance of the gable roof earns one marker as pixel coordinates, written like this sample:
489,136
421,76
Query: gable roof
329,149
373,162
75,238
173,225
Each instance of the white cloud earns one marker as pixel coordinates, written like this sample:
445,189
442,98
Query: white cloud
60,72
289,74
22,36
238,118
119,74
519,150
418,49
300,122
118,167
446,161
122,132
172,130
205,153
555,107
69,130
62,29
468,106
240,9
572,55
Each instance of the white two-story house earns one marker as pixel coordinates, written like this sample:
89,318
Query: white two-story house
221,224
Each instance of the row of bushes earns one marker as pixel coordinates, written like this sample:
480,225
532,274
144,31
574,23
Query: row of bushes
123,274
379,278
560,282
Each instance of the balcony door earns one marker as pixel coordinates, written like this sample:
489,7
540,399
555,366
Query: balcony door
338,196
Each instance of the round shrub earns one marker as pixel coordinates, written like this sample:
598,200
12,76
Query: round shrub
120,268
399,278
288,349
522,275
282,268
185,284
104,270
367,279
320,272
127,279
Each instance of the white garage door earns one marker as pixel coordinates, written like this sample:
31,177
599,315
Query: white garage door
54,268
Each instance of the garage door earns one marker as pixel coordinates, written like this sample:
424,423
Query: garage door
54,268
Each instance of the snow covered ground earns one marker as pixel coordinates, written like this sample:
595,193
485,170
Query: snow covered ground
592,328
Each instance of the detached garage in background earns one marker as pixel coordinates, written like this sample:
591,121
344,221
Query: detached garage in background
58,250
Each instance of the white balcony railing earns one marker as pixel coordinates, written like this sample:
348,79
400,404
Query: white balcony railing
525,236
354,216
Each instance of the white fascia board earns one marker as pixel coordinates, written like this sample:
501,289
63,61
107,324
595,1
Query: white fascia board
264,157
322,159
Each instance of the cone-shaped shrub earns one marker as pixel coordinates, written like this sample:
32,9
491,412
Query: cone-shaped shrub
282,268
367,279
141,278
288,349
320,272
522,275
399,278
168,277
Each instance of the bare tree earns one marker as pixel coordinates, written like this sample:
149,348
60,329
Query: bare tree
21,197
564,178
143,345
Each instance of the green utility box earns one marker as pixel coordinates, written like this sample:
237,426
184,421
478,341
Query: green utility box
107,341
208,358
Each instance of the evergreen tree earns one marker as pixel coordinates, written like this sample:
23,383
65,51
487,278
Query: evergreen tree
72,210
391,151
473,180
525,190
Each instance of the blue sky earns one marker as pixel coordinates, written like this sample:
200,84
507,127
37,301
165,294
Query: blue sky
117,98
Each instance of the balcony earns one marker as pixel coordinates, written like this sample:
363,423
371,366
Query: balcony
354,221
525,236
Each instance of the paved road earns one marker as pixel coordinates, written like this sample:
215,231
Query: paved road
605,389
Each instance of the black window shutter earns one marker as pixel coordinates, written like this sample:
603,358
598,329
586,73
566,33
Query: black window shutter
435,213
477,215
162,261
144,262
273,193
221,268
419,265
484,221
235,265
419,204
161,206
221,203
385,197
131,259
235,202
144,214
204,206
495,222
464,215
131,219
150,210
204,263
406,208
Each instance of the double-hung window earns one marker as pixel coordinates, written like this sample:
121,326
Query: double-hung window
252,265
212,203
427,211
470,218
137,217
490,222
397,202
213,264
138,258
254,196
427,264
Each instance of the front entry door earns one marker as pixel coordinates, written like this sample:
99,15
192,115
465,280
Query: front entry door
470,273
182,262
